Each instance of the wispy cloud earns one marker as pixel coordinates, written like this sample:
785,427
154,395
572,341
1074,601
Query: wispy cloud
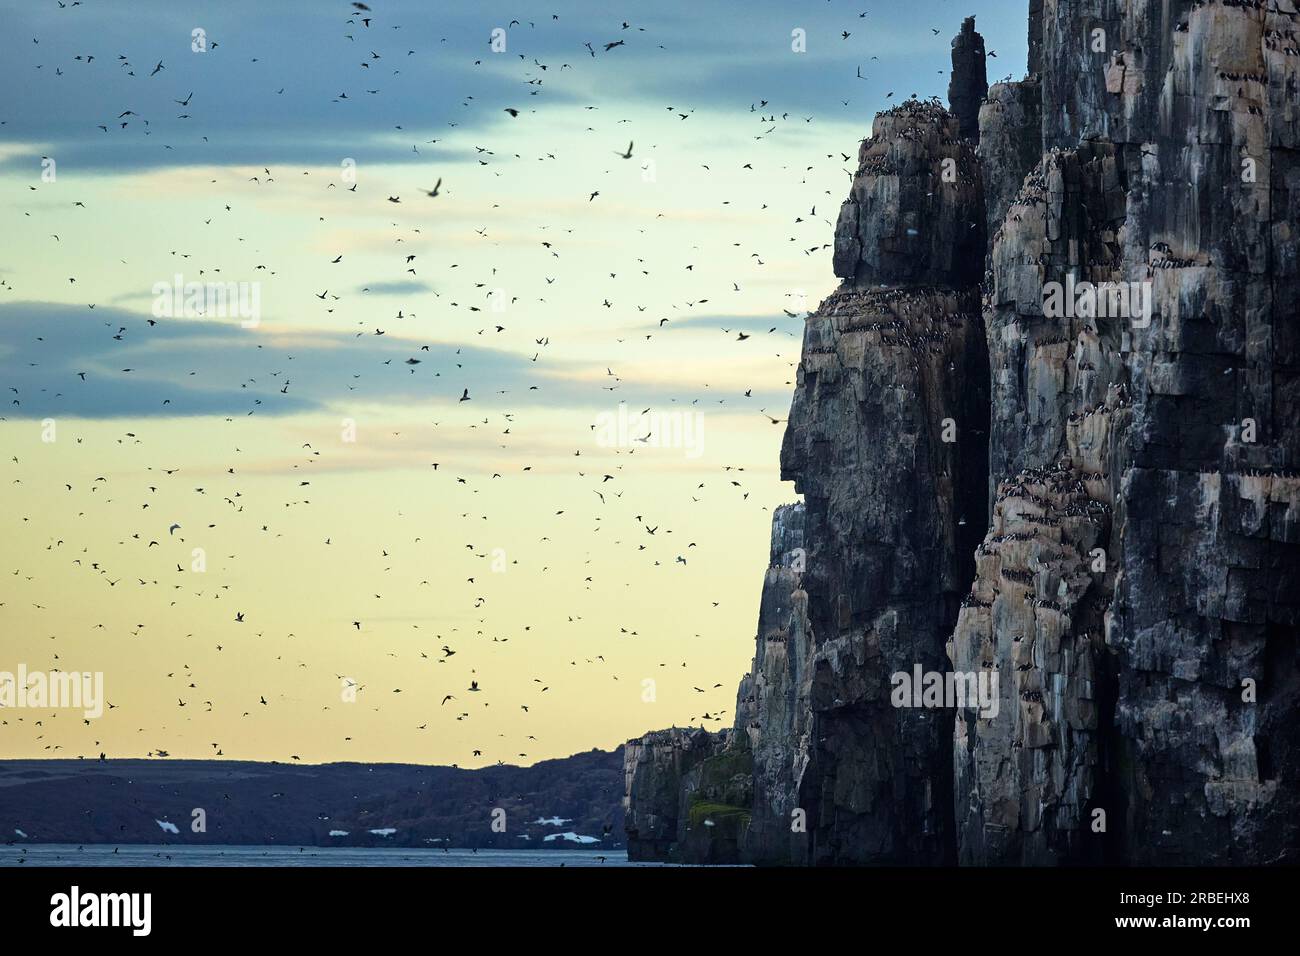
188,367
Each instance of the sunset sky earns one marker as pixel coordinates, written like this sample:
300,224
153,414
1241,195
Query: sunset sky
546,302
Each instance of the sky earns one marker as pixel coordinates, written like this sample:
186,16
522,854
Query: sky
357,489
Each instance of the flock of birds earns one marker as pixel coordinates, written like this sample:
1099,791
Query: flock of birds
652,532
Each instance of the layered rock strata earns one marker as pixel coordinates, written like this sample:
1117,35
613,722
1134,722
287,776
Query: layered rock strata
1149,697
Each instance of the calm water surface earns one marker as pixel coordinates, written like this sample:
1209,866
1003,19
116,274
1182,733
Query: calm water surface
59,854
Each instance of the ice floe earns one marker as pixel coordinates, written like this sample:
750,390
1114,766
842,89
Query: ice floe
572,837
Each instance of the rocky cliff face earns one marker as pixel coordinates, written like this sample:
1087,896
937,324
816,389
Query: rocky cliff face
772,706
1011,146
661,781
1147,684
1077,480
885,440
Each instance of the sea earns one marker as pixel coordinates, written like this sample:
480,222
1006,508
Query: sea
68,854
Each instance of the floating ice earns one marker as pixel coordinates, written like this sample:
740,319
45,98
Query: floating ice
572,837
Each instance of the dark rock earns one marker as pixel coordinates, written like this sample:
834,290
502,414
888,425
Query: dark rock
772,706
1132,466
914,215
1010,144
660,788
968,84
1035,36
1194,604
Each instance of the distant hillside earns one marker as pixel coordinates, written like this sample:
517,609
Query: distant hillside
127,801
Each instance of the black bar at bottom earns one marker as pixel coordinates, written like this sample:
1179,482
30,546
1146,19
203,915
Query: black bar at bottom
309,903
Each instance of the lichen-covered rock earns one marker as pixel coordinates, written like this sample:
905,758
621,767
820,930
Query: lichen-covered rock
691,794
656,769
717,800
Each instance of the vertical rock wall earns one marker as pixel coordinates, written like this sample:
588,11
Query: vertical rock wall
1207,596
1170,131
967,84
885,442
657,770
1034,615
1011,144
772,705
1113,528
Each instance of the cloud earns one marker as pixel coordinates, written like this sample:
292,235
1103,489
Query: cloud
396,287
187,367
257,100
371,93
